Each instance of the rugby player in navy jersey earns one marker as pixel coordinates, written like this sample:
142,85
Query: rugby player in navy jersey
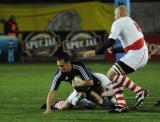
67,70
77,100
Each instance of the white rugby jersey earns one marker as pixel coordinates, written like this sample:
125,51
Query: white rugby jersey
127,31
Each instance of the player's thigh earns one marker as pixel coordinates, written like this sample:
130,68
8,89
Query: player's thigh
119,68
66,104
135,59
111,73
103,78
72,95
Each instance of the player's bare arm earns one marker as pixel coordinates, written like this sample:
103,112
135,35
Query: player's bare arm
79,83
84,84
49,101
100,49
89,53
97,98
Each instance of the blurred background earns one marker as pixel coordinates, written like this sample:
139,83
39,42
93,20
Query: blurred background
34,32
38,30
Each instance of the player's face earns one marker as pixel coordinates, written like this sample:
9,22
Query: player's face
64,66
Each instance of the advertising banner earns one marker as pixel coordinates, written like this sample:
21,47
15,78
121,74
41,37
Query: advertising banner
40,43
8,49
76,42
46,45
153,42
60,17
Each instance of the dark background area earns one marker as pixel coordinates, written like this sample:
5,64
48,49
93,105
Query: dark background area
60,1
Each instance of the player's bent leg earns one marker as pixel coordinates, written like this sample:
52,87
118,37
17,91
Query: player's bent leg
121,68
75,100
107,95
111,74
124,81
101,102
68,102
81,102
75,97
87,104
96,98
106,84
118,92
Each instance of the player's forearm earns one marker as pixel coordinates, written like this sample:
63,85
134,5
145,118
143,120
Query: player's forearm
96,97
85,83
104,46
88,83
118,50
50,99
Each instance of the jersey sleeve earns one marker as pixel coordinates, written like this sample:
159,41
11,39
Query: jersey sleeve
115,30
56,81
84,73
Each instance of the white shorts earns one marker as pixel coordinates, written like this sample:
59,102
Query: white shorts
83,102
72,95
103,78
105,82
135,58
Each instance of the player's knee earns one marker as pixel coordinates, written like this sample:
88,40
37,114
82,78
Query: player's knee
66,105
111,74
100,102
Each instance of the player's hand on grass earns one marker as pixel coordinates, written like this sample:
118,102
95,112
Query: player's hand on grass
90,53
47,112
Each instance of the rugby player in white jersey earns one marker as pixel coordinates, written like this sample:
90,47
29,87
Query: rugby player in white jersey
136,56
75,97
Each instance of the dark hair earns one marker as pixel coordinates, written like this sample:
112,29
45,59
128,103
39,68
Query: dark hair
65,57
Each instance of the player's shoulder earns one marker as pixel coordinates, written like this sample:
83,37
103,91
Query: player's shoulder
122,20
58,72
77,63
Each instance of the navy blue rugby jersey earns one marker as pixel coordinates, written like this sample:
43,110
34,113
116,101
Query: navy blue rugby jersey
78,69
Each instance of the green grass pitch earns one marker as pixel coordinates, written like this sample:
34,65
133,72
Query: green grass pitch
24,87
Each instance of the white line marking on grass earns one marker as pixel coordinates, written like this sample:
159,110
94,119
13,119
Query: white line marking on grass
146,97
11,99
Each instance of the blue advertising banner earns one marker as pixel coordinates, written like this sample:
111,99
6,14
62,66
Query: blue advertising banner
8,49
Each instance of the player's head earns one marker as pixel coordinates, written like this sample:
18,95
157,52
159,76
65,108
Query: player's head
64,62
12,18
121,11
